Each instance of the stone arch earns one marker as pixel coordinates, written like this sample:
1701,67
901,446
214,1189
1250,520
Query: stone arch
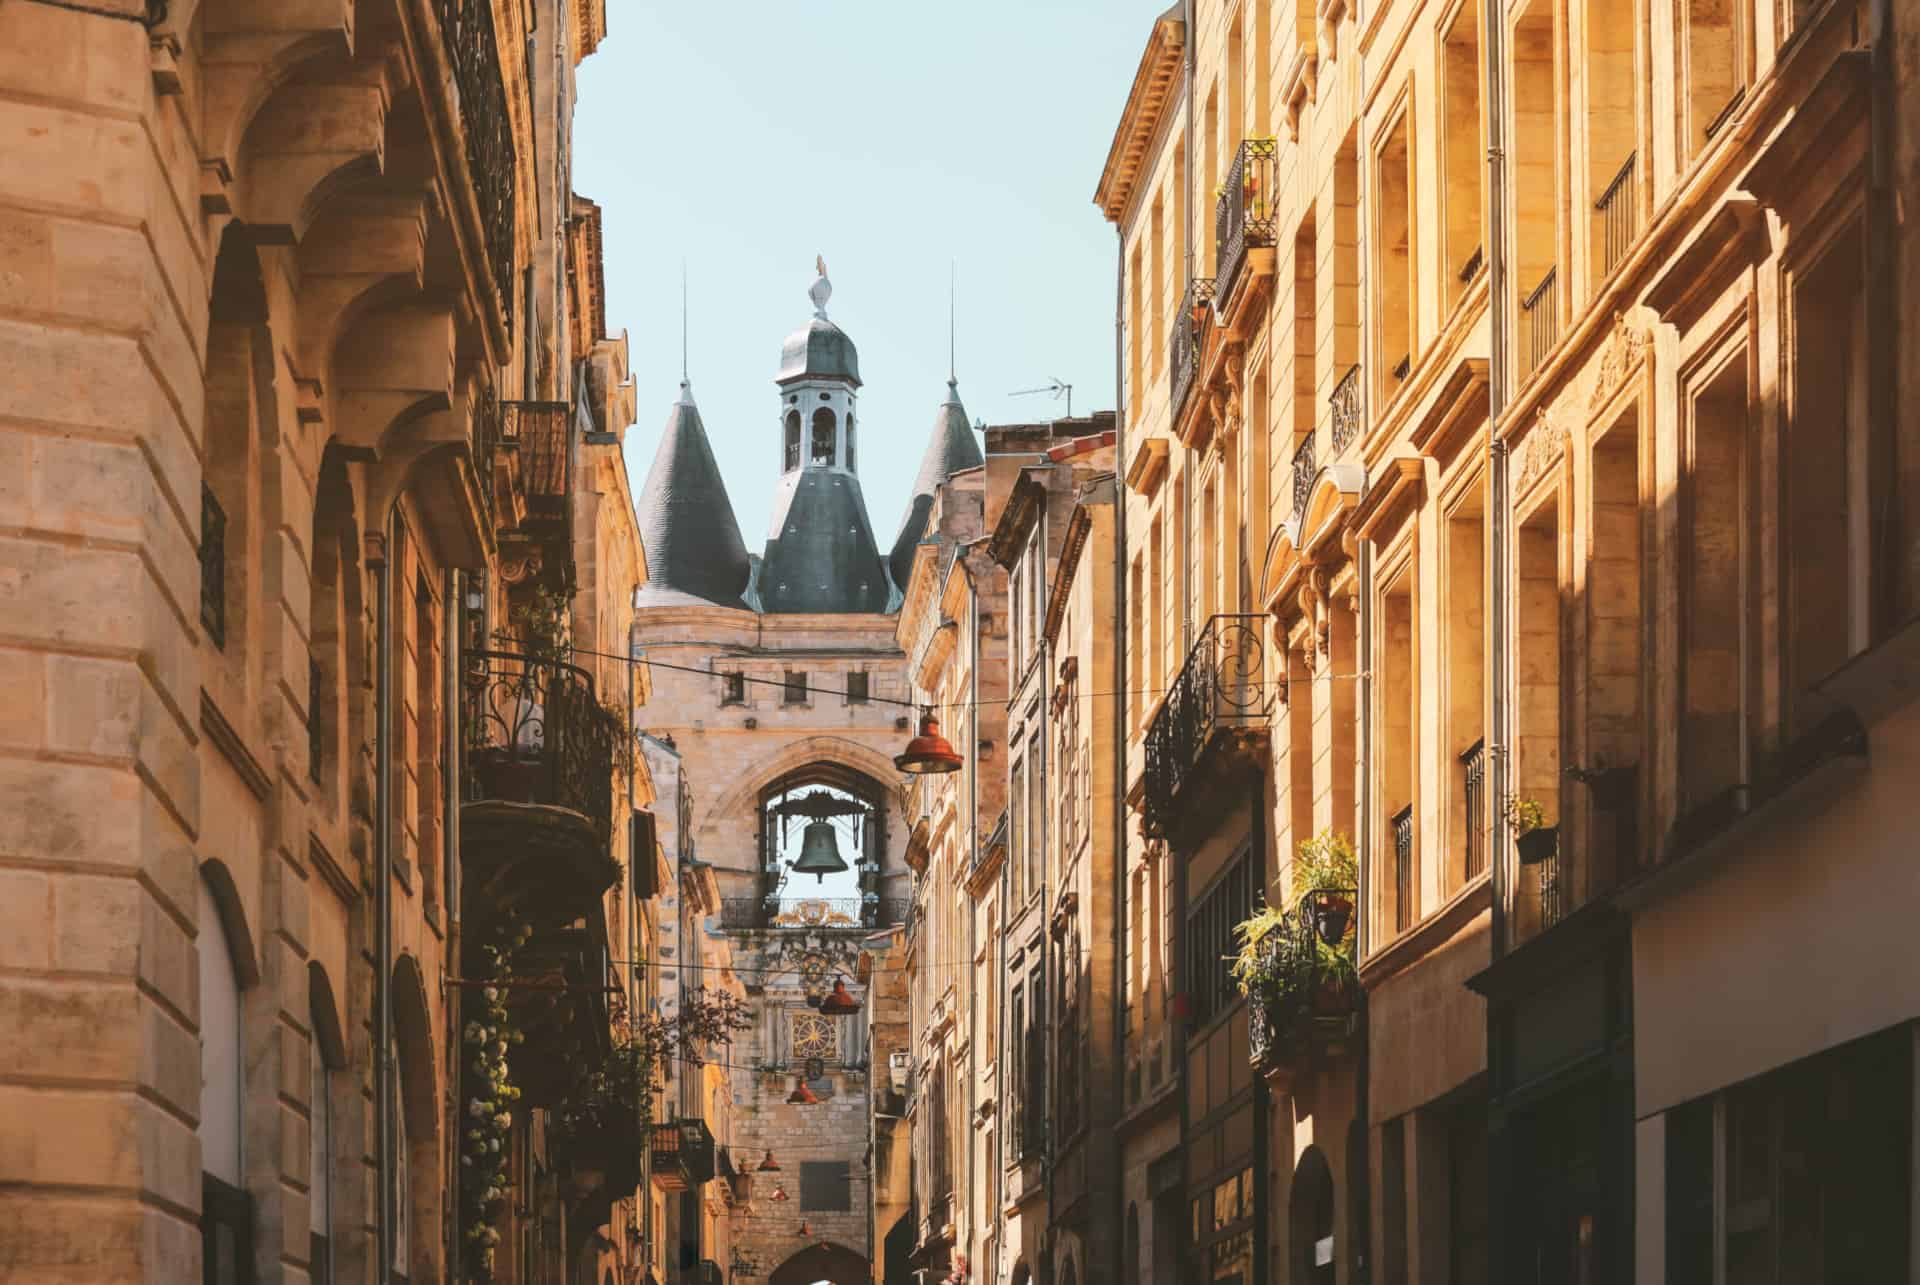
824,1261
240,417
233,921
1310,1218
797,754
821,448
336,627
418,1093
329,1036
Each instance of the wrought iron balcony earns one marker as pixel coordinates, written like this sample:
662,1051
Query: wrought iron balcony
1619,217
1540,314
1183,347
467,36
540,432
1304,989
535,733
1345,418
683,1154
1243,217
1473,788
813,913
1305,465
485,434
1220,691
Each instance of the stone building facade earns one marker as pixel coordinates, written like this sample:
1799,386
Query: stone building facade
317,488
780,694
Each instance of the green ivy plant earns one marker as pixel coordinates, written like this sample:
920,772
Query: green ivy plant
486,1128
1281,963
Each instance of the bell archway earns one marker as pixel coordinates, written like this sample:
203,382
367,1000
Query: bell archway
823,1263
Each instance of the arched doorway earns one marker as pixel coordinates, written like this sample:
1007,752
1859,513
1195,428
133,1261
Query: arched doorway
835,1264
1310,1221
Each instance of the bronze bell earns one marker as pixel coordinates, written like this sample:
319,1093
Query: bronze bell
819,851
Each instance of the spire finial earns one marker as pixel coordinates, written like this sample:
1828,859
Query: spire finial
953,378
683,323
821,290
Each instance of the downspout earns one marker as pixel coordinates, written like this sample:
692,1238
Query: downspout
1497,481
1882,287
1050,1066
450,694
1499,306
383,892
973,825
1363,557
1122,916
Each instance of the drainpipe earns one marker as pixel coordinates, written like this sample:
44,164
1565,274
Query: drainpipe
1363,558
1882,286
1122,917
1498,308
378,552
973,856
453,595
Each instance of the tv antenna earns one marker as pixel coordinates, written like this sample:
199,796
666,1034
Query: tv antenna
1055,387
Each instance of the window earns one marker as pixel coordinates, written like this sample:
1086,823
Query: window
1036,814
1712,69
1534,168
426,732
1538,761
857,687
1399,759
1611,86
1463,617
402,1172
1462,153
1136,305
1393,1198
320,1185
1033,1138
1210,944
820,448
213,568
850,459
1017,836
1016,1062
733,688
790,454
795,691
1157,283
826,1186
1393,282
226,1218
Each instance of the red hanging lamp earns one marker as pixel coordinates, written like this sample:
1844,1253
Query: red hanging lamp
769,1165
840,1001
802,1096
929,754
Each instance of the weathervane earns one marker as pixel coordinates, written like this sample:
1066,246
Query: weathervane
821,290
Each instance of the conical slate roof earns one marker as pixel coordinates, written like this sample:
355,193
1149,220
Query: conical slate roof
686,521
820,552
951,449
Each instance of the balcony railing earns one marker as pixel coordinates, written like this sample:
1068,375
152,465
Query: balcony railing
1306,988
485,434
1540,320
1220,687
683,1154
535,733
1183,345
1346,418
1473,788
540,431
1243,217
813,913
1304,467
1403,869
467,35
1618,217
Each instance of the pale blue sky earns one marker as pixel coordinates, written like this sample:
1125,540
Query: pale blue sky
891,138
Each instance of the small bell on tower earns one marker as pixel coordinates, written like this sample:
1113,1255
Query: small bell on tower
819,851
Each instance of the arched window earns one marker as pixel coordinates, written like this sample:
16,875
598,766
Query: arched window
790,458
822,836
1310,1221
402,1170
850,457
326,1053
821,450
226,1211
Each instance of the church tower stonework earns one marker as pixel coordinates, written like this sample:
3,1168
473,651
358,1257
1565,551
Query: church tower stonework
785,731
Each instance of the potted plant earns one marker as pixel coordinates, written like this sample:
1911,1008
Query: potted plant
1292,970
1532,836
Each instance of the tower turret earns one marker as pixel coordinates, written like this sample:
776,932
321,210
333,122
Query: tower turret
692,541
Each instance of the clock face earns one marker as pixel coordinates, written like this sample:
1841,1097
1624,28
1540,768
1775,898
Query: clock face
813,1036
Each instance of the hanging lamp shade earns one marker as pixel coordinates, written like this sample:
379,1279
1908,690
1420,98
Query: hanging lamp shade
928,754
802,1096
805,1230
840,1001
770,1165
819,851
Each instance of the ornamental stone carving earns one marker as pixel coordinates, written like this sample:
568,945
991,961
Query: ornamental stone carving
1625,347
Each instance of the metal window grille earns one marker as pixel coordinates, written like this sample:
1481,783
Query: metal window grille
213,568
1618,217
1210,945
1541,317
1473,786
1403,869
1304,467
1345,407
